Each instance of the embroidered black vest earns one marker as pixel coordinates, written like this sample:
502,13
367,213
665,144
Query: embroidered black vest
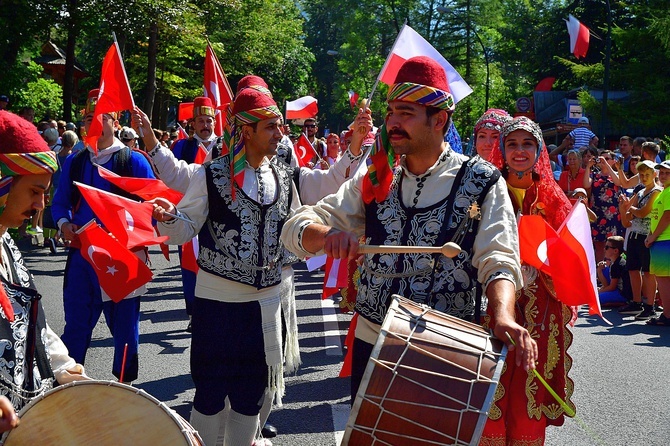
240,239
448,285
25,369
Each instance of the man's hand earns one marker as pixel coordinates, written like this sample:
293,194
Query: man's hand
162,207
524,346
340,244
141,123
8,418
69,231
362,126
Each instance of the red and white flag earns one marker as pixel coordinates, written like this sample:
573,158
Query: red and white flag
119,271
576,233
181,133
217,88
304,150
353,98
410,44
335,277
189,255
579,37
304,107
200,155
145,188
114,95
128,220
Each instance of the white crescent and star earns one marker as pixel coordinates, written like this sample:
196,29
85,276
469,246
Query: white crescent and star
130,221
303,151
92,249
542,252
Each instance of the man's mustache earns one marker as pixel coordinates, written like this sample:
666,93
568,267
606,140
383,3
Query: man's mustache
399,133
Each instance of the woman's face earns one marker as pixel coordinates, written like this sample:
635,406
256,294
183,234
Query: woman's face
573,160
485,141
520,150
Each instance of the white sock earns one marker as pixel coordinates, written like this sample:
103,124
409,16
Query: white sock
265,410
223,422
240,429
206,425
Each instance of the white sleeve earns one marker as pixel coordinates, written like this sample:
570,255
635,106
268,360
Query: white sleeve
176,174
60,357
316,184
194,206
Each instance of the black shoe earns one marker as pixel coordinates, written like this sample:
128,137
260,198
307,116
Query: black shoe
647,313
631,308
189,328
269,431
51,242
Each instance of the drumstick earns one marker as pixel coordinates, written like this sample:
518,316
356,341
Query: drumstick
449,249
568,410
123,362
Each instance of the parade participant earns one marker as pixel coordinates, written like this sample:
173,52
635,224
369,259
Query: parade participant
421,209
522,406
31,361
83,300
237,210
486,134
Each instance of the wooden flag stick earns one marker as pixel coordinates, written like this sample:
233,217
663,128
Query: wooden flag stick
449,249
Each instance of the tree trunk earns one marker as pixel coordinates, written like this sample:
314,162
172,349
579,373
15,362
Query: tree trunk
68,81
150,89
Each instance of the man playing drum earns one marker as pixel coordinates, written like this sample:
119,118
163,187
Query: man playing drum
29,362
436,196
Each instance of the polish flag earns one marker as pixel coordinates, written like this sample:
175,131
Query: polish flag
576,233
353,98
579,37
336,276
217,88
185,112
114,95
304,150
304,107
410,44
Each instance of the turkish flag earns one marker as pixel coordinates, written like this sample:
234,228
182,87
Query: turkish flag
128,220
185,112
377,183
114,96
119,271
181,133
304,107
579,37
145,188
217,88
409,44
304,150
353,98
336,276
345,371
200,155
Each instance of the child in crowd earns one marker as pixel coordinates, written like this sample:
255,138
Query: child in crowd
658,242
613,275
635,215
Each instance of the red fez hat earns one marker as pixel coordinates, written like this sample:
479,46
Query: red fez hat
250,99
203,106
424,71
251,80
19,136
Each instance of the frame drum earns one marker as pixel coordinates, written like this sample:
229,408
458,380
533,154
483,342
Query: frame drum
100,413
430,380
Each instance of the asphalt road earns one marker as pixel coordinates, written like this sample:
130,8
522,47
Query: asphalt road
621,372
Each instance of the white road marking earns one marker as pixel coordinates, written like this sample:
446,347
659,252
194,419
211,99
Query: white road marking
331,328
340,417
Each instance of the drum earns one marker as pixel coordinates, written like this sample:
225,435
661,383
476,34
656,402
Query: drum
100,413
430,380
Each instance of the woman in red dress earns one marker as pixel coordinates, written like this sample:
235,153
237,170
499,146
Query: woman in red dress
522,407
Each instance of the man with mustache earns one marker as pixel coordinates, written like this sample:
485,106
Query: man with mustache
436,196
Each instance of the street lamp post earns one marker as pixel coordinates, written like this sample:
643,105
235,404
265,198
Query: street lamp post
606,75
444,10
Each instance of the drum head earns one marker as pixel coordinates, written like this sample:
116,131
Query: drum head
96,413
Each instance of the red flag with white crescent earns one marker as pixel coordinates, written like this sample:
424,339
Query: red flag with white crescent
128,220
217,88
114,95
119,271
304,150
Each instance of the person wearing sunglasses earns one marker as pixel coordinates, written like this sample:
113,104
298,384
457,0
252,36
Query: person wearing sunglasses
613,275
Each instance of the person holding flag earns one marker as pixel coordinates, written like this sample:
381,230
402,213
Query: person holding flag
432,197
83,299
522,406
